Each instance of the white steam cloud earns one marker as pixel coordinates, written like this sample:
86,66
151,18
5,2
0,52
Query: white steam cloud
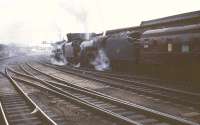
77,10
57,56
101,61
57,62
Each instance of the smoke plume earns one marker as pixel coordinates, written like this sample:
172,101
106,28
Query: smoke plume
57,62
101,61
57,56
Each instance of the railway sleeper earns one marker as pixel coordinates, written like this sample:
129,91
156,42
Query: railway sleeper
29,120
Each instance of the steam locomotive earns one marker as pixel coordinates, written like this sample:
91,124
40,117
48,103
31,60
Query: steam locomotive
169,41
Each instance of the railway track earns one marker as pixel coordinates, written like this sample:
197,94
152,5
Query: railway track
191,113
17,108
127,113
64,95
118,75
130,79
175,96
5,58
148,81
59,108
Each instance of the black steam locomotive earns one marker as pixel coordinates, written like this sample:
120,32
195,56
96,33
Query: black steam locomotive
166,41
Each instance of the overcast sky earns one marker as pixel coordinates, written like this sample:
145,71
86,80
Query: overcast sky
28,21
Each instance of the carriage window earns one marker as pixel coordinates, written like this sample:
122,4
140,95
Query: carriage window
185,48
146,46
146,43
169,47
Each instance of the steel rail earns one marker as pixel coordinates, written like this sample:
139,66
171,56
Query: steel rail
131,81
40,113
76,100
142,91
3,116
124,103
6,58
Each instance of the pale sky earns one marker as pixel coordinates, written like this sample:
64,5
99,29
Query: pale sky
32,21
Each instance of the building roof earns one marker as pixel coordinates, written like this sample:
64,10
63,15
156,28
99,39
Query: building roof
173,30
179,17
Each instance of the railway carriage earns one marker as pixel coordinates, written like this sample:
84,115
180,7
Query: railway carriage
175,45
